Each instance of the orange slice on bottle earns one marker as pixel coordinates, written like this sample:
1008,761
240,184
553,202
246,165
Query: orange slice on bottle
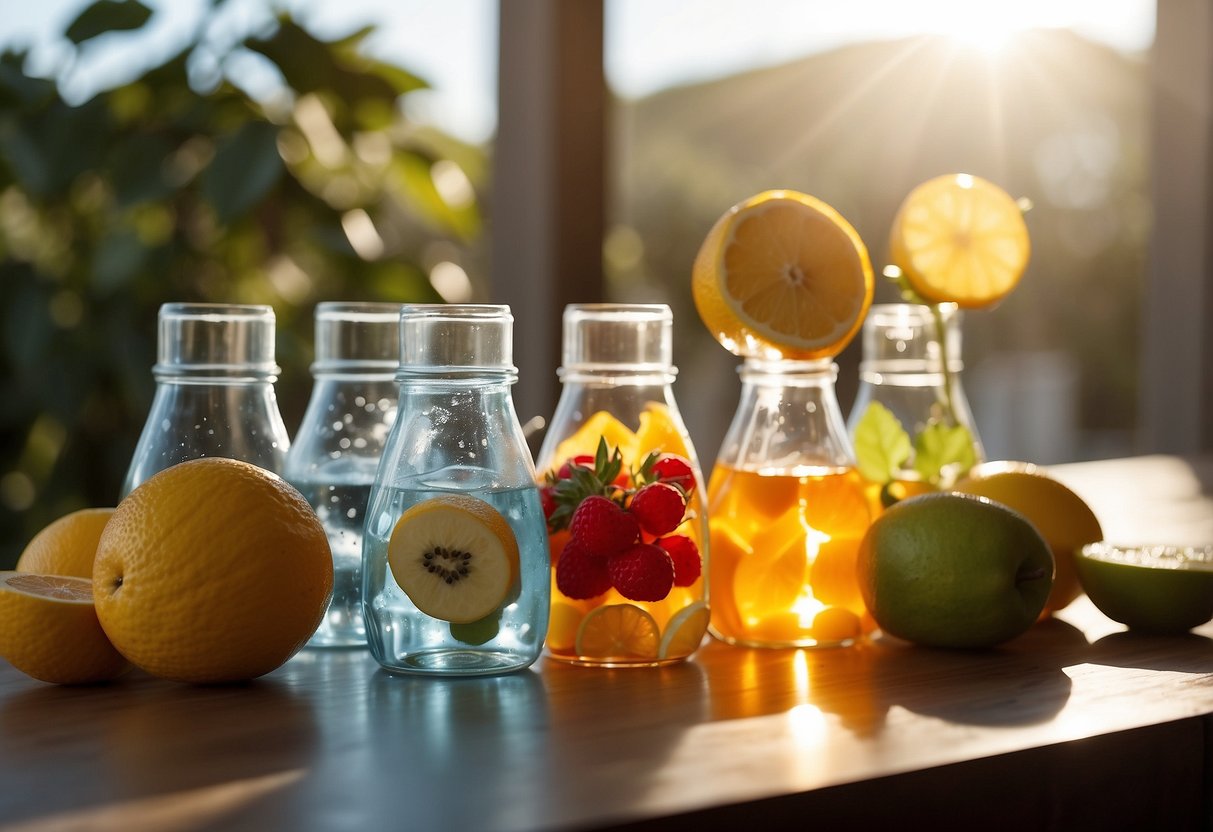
960,239
782,275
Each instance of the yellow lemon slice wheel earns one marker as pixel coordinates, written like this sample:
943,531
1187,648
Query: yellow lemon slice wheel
684,632
49,629
960,239
782,275
618,631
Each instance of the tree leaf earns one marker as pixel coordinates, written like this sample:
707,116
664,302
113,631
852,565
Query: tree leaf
940,445
107,16
245,167
881,444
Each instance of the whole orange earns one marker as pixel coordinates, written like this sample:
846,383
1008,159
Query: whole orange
67,546
212,571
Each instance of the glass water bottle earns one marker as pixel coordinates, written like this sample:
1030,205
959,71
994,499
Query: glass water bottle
787,511
634,606
215,375
911,424
337,447
455,557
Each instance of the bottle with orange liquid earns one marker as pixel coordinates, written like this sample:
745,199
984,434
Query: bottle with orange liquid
784,281
623,495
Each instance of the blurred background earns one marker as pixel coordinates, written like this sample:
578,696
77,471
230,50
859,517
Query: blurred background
290,152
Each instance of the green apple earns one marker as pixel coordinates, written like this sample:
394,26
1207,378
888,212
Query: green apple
954,570
1154,589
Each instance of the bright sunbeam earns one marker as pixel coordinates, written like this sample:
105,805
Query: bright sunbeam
986,29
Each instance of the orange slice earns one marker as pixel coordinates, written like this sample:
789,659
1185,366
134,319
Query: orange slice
618,631
49,629
960,239
782,275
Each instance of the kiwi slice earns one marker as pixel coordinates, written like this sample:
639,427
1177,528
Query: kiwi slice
455,556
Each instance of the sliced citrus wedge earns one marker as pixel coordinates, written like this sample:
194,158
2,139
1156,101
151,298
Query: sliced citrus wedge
1155,589
623,632
684,632
960,239
49,630
782,275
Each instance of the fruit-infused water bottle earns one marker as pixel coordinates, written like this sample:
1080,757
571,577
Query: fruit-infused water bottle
337,447
788,511
623,496
910,425
454,555
215,375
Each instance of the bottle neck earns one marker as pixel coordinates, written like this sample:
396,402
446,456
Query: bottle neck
618,376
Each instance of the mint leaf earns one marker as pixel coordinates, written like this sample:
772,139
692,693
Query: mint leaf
881,444
939,446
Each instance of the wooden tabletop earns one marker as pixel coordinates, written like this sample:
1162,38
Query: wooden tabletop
1075,725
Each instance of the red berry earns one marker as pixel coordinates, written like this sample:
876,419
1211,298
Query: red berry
581,460
579,574
602,527
674,469
685,554
547,499
659,508
642,573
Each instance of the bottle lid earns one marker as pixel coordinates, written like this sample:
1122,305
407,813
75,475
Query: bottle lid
902,337
618,336
462,339
216,340
358,338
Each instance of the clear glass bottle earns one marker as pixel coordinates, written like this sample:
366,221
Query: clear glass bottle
787,511
215,375
617,371
456,433
911,424
336,450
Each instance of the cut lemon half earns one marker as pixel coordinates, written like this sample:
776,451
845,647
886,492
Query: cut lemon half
618,631
49,630
782,275
960,239
684,632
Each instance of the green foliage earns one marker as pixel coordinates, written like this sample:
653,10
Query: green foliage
153,192
882,445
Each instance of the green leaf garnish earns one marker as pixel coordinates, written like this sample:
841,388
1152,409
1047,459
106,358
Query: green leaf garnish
939,446
881,444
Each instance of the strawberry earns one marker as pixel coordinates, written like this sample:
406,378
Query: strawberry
643,572
685,554
580,477
579,574
581,460
659,507
602,527
675,470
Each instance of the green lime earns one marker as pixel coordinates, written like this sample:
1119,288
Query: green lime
1155,589
954,570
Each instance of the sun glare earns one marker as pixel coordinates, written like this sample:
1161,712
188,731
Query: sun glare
982,28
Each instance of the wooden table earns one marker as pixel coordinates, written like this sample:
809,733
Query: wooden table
1076,725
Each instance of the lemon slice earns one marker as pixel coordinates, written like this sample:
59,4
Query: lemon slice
49,629
782,275
1155,589
618,631
684,632
960,239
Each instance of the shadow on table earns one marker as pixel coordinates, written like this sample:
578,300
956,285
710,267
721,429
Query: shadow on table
1184,653
139,739
1019,683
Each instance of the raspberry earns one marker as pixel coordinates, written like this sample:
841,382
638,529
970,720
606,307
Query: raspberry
659,508
602,527
685,554
642,573
579,574
675,470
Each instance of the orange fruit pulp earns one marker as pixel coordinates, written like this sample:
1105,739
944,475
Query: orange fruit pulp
784,548
782,275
